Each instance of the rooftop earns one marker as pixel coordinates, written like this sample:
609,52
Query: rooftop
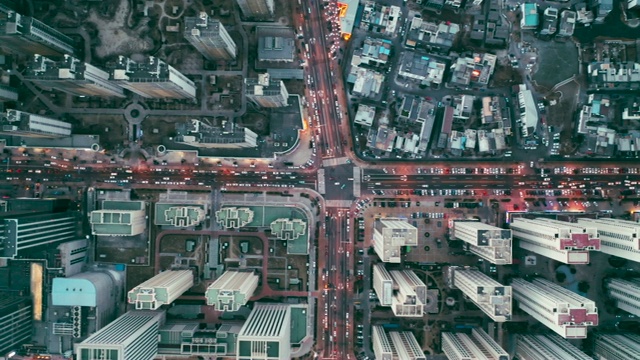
275,43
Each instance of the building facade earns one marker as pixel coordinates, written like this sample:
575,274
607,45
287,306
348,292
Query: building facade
15,321
403,291
395,345
266,335
561,310
477,346
161,289
547,347
617,346
119,218
210,38
25,35
232,290
266,92
489,242
626,294
72,76
493,298
390,235
256,8
153,79
559,240
132,336
620,238
19,123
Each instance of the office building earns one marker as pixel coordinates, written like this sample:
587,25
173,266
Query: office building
566,242
232,290
210,38
266,92
489,242
72,76
477,346
403,291
188,340
72,256
620,238
617,346
152,79
161,289
93,298
390,235
226,136
119,218
626,294
15,321
132,336
493,298
547,347
256,8
25,35
561,310
395,345
22,234
276,44
266,333
19,123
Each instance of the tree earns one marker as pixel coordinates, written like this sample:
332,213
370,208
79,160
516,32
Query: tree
583,286
561,277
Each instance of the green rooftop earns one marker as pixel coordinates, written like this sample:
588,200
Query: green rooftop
298,323
530,15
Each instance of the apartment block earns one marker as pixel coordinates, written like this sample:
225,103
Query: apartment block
161,289
547,347
25,35
489,242
617,346
626,293
266,92
390,235
561,310
256,8
620,238
20,123
493,298
232,290
209,37
403,291
132,336
395,345
152,78
477,346
72,76
559,240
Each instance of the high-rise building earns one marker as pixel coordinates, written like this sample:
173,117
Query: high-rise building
477,346
19,123
626,294
15,321
493,298
152,79
489,242
161,289
119,218
232,290
266,333
209,37
26,35
403,291
617,237
390,235
559,240
547,347
8,93
71,76
226,136
93,298
256,8
132,336
617,346
559,309
24,233
395,345
266,92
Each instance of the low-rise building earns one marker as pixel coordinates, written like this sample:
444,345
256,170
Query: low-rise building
424,68
228,135
381,138
119,218
276,44
528,112
602,8
19,123
472,71
549,21
530,17
365,115
614,75
380,18
436,37
567,23
374,52
366,82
